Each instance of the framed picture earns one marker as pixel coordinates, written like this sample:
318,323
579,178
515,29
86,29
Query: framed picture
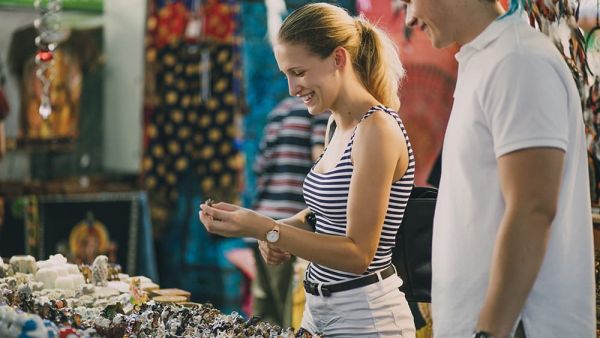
83,226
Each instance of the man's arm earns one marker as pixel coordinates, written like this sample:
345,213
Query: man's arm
530,183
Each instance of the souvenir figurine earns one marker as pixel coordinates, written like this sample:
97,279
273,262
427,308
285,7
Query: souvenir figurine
23,264
138,297
86,272
113,272
100,270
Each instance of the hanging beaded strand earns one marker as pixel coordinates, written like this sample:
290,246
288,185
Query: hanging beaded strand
49,35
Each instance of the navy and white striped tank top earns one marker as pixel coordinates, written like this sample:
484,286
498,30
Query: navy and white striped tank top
327,196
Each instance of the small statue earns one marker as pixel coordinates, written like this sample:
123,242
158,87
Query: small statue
23,264
113,272
100,271
86,272
138,296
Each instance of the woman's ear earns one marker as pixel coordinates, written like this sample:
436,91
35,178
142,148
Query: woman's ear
340,57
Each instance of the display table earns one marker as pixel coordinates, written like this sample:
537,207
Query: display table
55,298
81,226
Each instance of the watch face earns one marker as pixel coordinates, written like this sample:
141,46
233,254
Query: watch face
272,236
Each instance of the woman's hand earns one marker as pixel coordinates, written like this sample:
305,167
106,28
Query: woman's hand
272,254
233,221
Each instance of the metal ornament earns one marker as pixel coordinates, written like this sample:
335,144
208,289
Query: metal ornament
50,35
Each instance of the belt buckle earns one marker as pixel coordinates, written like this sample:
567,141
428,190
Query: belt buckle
325,291
310,288
313,289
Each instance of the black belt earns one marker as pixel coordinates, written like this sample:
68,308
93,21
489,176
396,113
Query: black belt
327,289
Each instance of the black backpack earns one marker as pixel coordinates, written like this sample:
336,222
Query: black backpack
412,253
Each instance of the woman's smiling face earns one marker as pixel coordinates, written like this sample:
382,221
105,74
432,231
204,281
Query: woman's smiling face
310,77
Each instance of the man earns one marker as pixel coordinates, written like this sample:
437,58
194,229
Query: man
512,244
293,139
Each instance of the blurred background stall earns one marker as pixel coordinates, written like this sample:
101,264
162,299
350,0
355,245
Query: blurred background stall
158,105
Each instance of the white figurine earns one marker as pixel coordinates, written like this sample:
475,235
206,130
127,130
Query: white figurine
100,271
23,264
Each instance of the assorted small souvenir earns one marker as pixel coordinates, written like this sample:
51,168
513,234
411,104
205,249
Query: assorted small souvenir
55,300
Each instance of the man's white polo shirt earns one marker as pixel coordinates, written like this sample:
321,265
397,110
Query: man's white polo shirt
514,91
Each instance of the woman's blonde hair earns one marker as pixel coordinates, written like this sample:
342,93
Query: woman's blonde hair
323,27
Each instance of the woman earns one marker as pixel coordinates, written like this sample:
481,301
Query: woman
359,187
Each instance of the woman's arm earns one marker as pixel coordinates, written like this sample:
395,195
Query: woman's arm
298,220
375,157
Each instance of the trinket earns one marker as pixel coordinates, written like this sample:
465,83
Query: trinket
100,270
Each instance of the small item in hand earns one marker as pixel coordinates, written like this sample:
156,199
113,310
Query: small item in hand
210,202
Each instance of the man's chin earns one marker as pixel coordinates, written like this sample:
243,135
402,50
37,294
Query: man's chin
438,43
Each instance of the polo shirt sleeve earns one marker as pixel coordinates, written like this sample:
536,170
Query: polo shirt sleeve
525,103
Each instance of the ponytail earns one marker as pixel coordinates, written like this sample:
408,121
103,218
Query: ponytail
378,63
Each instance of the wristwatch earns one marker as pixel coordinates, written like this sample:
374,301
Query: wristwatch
481,334
273,234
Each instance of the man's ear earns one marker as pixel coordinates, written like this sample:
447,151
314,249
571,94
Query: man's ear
340,57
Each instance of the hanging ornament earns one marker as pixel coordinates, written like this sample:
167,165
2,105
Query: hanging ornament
558,20
50,34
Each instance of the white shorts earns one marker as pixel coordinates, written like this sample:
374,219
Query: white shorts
376,310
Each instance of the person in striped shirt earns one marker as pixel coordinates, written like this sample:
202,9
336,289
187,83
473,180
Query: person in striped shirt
359,187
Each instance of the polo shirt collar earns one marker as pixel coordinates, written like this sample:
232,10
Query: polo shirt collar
489,34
